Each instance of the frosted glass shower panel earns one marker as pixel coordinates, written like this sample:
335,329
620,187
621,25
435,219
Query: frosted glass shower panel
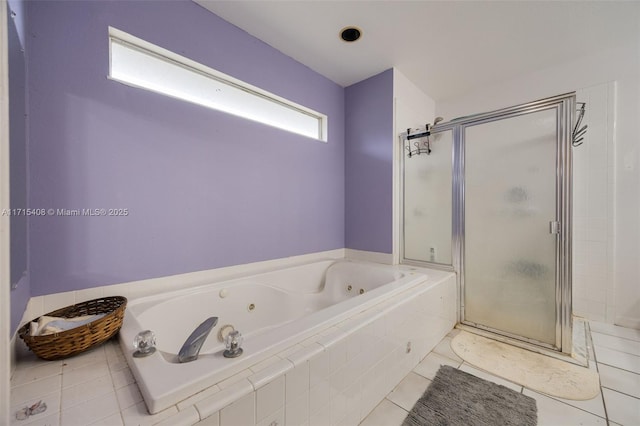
510,198
427,202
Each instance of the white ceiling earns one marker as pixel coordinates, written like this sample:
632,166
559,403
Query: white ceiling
445,47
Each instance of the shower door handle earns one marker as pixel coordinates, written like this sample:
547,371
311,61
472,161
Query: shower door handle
554,227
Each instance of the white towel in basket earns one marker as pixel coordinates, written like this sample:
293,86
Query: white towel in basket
49,325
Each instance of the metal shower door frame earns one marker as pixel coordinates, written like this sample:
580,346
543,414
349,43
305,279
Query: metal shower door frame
564,106
440,128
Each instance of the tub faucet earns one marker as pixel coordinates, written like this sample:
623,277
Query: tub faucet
191,348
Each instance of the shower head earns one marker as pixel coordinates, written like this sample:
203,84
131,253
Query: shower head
437,120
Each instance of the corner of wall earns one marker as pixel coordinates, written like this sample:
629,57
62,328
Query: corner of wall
18,151
369,163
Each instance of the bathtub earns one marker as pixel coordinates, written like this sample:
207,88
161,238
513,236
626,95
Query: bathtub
273,310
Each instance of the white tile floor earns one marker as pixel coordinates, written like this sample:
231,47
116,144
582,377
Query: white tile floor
97,388
617,353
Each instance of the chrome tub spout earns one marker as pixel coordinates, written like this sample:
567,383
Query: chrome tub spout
193,344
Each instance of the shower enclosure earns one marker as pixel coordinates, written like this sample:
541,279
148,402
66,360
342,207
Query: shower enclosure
488,196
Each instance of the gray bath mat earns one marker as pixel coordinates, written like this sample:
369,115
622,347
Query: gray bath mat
458,398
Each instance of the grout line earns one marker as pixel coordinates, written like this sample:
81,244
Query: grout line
572,406
60,403
113,385
393,404
616,337
604,403
589,337
621,351
618,367
620,392
609,333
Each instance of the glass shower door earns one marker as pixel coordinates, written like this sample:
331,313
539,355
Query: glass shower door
427,202
510,196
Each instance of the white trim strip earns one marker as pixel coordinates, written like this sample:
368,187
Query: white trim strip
369,256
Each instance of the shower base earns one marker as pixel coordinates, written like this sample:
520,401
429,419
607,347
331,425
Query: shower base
581,350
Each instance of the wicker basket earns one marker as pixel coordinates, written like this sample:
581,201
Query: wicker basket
79,339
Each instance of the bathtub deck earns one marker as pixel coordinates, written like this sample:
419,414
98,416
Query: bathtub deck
363,343
98,388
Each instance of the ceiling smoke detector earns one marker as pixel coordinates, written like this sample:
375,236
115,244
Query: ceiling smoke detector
350,34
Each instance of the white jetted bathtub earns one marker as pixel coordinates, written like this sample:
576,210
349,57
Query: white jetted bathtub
273,311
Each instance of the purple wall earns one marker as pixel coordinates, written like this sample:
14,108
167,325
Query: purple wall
369,164
204,189
20,289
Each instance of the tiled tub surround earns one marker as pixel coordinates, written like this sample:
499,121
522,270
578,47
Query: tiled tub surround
273,310
336,376
343,323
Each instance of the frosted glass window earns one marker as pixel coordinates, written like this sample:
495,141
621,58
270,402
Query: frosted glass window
140,64
427,202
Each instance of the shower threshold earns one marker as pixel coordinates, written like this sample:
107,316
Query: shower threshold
580,351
